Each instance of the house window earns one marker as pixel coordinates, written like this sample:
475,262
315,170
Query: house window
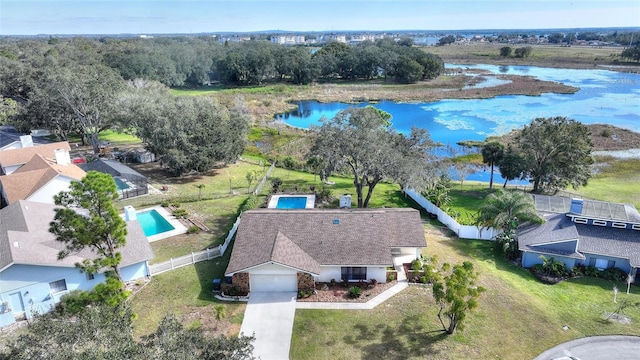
58,286
354,273
90,276
599,222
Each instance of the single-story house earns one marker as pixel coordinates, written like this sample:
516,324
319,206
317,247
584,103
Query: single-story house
130,182
40,179
287,250
10,138
12,159
32,279
590,233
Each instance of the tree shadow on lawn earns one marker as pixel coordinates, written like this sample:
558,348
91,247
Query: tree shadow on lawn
485,251
209,270
387,342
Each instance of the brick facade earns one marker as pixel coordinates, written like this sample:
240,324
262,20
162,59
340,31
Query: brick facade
306,282
241,280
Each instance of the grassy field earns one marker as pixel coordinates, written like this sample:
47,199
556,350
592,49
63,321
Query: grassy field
616,181
518,316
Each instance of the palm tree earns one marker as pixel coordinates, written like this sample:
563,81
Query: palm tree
492,153
505,210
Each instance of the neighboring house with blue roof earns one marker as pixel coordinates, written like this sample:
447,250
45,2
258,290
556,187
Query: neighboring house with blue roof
10,138
583,232
32,279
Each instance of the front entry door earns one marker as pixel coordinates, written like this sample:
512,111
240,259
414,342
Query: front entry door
17,305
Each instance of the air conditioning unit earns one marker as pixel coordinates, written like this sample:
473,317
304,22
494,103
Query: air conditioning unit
345,201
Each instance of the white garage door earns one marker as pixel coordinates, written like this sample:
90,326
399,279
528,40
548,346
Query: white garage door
273,282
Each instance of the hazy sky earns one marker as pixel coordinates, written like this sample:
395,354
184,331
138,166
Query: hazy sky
27,17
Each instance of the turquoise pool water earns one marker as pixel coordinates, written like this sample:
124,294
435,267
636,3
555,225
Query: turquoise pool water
153,223
121,184
292,202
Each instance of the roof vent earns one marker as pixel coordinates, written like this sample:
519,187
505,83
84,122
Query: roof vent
16,244
336,221
26,141
576,206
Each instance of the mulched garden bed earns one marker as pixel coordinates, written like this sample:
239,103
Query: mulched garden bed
338,292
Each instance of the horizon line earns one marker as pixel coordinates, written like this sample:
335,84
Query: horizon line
327,31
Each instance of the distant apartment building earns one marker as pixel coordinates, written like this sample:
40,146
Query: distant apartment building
288,39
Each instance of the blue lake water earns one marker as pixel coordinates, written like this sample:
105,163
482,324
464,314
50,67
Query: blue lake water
605,97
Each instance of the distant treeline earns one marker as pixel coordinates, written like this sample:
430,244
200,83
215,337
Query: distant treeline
189,61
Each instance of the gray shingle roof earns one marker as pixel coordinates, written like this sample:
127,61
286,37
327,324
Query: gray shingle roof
298,238
112,167
25,238
622,243
9,135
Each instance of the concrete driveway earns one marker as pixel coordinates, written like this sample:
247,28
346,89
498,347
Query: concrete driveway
270,316
596,348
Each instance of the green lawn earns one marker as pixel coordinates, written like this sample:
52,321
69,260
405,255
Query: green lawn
617,182
187,293
518,317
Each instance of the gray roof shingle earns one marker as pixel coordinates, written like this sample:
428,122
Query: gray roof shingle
608,241
25,238
301,238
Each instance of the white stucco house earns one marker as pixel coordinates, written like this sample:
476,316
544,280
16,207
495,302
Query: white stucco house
287,250
32,279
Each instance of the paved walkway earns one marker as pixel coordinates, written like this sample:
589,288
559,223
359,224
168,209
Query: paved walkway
269,315
596,348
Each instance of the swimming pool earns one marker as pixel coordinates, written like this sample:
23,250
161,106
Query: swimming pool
292,202
121,184
153,223
297,202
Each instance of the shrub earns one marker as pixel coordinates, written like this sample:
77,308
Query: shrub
275,184
193,229
332,282
614,274
577,270
592,271
391,276
252,202
355,292
164,203
180,213
416,265
606,133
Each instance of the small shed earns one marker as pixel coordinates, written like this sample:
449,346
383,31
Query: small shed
144,156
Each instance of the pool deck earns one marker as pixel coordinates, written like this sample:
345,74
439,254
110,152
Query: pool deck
311,200
178,228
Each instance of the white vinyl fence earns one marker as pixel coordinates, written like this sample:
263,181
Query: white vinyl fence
463,231
193,258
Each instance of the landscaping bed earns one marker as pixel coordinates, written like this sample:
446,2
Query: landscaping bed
339,292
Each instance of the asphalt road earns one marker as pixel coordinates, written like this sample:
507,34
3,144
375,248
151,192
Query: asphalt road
596,348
